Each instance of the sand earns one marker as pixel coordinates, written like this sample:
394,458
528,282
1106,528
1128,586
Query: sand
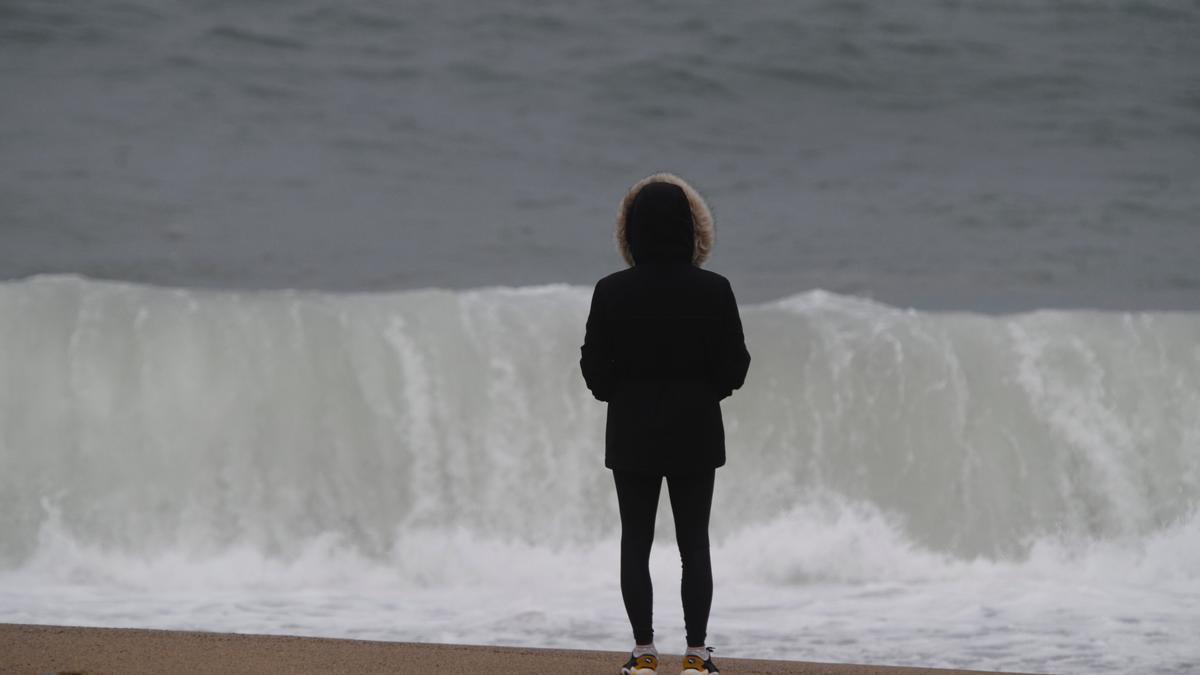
123,651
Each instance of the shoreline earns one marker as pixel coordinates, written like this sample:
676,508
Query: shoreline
76,650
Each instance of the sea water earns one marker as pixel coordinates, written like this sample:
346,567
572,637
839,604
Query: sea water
946,489
941,154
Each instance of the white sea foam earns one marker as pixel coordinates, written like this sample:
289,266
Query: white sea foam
1014,492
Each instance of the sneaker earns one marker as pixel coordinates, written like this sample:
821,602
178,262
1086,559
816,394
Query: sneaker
694,665
646,664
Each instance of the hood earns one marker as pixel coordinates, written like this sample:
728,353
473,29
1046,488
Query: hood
664,219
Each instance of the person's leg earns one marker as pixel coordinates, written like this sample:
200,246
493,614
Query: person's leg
637,498
691,504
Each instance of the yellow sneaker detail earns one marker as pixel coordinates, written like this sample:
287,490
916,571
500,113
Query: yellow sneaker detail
694,665
646,664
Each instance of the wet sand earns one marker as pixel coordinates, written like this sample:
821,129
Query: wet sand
123,651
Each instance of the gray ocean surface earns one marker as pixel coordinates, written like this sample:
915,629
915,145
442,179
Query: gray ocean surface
990,156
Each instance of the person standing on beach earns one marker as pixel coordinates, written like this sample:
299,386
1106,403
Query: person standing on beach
663,345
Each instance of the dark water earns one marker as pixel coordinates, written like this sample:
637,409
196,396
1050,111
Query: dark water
990,156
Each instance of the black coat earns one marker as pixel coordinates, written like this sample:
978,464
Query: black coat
663,345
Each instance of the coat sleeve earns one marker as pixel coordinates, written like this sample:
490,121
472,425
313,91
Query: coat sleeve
596,355
732,360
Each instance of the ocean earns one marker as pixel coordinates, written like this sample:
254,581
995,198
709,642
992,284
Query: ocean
282,284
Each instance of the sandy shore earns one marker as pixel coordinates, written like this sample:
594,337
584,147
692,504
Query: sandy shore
120,651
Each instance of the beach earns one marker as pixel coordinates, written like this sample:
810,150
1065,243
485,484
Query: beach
128,651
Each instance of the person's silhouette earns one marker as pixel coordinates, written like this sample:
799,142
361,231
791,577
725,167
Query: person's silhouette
663,345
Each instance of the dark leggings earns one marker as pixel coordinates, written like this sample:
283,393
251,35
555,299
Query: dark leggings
691,503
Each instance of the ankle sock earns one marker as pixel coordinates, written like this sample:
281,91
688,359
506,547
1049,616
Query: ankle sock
702,652
640,650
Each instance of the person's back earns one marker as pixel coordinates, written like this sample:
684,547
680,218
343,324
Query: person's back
674,339
663,346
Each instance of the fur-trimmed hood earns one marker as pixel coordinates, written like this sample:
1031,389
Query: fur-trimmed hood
634,211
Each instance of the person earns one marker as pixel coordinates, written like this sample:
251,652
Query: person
663,345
